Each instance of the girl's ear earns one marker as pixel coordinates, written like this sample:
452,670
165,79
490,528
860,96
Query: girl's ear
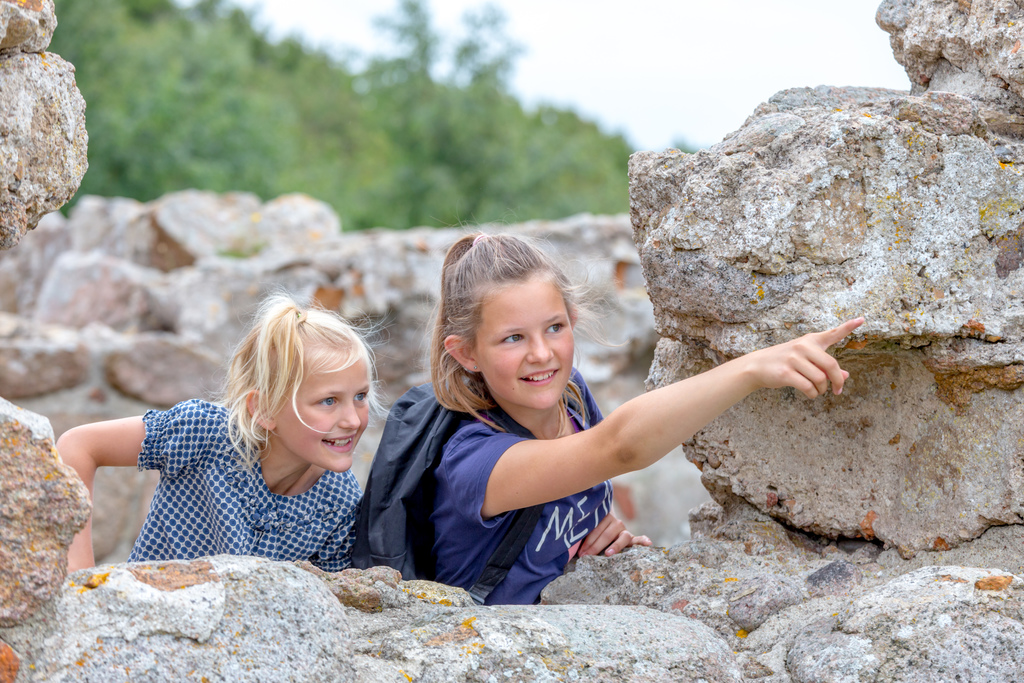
250,403
459,350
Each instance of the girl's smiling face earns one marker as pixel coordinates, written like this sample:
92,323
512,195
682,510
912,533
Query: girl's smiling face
322,428
524,350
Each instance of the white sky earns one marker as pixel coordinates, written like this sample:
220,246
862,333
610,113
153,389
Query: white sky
656,71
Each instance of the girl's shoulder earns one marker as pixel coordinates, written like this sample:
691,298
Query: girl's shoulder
192,412
183,435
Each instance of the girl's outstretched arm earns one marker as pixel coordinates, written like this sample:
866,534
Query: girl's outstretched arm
87,447
646,428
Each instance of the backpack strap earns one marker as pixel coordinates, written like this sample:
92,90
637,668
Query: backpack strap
523,522
506,553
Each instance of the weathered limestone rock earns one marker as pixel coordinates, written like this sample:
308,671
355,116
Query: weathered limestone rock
937,623
39,359
42,138
192,224
828,204
160,369
23,270
219,618
84,288
858,620
969,47
584,642
26,25
43,505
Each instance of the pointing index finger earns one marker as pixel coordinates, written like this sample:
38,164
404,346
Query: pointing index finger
836,334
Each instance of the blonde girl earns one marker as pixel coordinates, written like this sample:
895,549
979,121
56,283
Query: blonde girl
503,338
264,473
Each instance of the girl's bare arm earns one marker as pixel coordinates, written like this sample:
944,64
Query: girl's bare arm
114,443
646,428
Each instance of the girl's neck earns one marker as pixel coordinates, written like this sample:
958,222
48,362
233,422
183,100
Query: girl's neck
550,424
285,480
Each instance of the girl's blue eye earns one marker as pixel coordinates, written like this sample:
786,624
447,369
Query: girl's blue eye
361,396
330,401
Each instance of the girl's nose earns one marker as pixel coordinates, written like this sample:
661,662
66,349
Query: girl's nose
348,417
540,351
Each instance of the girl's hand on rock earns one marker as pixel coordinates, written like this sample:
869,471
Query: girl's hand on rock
610,537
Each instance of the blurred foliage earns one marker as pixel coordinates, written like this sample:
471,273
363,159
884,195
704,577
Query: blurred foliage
199,97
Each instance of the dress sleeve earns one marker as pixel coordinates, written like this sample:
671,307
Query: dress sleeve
181,436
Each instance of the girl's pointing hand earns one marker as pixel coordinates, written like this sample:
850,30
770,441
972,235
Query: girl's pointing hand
803,363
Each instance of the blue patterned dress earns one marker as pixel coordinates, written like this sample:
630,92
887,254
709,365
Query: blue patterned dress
207,504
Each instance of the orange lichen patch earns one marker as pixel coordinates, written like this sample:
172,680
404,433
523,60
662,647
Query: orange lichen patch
680,604
974,327
894,440
956,388
952,579
867,525
855,345
94,581
993,583
37,5
464,631
329,297
940,544
9,664
172,577
742,633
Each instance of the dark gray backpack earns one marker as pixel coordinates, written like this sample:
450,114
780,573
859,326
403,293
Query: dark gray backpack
393,524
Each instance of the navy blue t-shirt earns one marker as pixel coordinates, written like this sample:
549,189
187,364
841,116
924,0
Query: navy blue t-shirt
464,540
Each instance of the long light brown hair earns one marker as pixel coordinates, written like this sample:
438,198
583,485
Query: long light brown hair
475,267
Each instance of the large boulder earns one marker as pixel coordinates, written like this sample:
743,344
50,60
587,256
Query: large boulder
828,204
220,618
43,139
26,25
23,270
39,359
43,504
969,47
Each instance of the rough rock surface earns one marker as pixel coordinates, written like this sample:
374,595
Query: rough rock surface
969,47
831,203
43,504
26,25
43,139
221,619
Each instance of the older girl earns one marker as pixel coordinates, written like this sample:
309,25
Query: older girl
266,473
504,338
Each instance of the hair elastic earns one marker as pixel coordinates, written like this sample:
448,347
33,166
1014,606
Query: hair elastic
478,238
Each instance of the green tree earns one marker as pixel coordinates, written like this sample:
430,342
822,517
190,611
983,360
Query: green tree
428,135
